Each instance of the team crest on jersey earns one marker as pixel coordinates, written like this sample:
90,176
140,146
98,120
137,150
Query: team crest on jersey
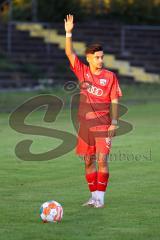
103,82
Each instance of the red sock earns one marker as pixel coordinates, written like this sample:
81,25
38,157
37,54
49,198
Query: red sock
102,181
92,181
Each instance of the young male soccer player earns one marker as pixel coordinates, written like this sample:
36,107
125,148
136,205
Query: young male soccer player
99,89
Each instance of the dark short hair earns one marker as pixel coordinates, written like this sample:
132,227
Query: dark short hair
93,48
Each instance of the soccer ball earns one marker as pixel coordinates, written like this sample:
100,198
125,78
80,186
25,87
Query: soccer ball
51,211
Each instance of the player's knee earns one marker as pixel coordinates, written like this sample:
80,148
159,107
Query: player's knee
89,164
89,161
102,163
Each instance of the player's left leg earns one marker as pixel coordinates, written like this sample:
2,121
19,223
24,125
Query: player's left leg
102,178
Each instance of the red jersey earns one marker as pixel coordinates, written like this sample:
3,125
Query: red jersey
96,91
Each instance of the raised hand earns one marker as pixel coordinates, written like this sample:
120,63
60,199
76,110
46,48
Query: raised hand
68,23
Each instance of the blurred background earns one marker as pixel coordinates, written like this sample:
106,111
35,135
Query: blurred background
32,41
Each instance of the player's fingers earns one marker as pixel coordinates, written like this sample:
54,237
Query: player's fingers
72,18
114,133
109,133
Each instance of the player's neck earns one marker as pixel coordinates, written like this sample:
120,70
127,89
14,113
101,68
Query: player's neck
95,71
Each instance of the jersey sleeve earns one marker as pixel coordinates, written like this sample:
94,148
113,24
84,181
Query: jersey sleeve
79,69
115,89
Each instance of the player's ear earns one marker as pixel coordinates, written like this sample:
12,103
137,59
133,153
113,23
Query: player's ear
87,58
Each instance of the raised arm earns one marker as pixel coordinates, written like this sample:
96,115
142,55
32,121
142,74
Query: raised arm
68,22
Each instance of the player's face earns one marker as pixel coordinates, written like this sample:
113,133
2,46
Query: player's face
96,59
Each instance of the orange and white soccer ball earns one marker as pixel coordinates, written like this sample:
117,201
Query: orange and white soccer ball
51,211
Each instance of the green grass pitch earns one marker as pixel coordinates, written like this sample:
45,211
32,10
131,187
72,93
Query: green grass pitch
133,196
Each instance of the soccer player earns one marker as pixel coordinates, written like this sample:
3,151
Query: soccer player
99,90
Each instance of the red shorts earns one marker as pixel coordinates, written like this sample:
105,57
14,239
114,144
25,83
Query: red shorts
93,141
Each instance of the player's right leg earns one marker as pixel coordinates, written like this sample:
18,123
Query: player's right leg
86,148
91,178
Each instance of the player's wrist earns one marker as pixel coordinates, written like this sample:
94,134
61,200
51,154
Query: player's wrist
68,34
